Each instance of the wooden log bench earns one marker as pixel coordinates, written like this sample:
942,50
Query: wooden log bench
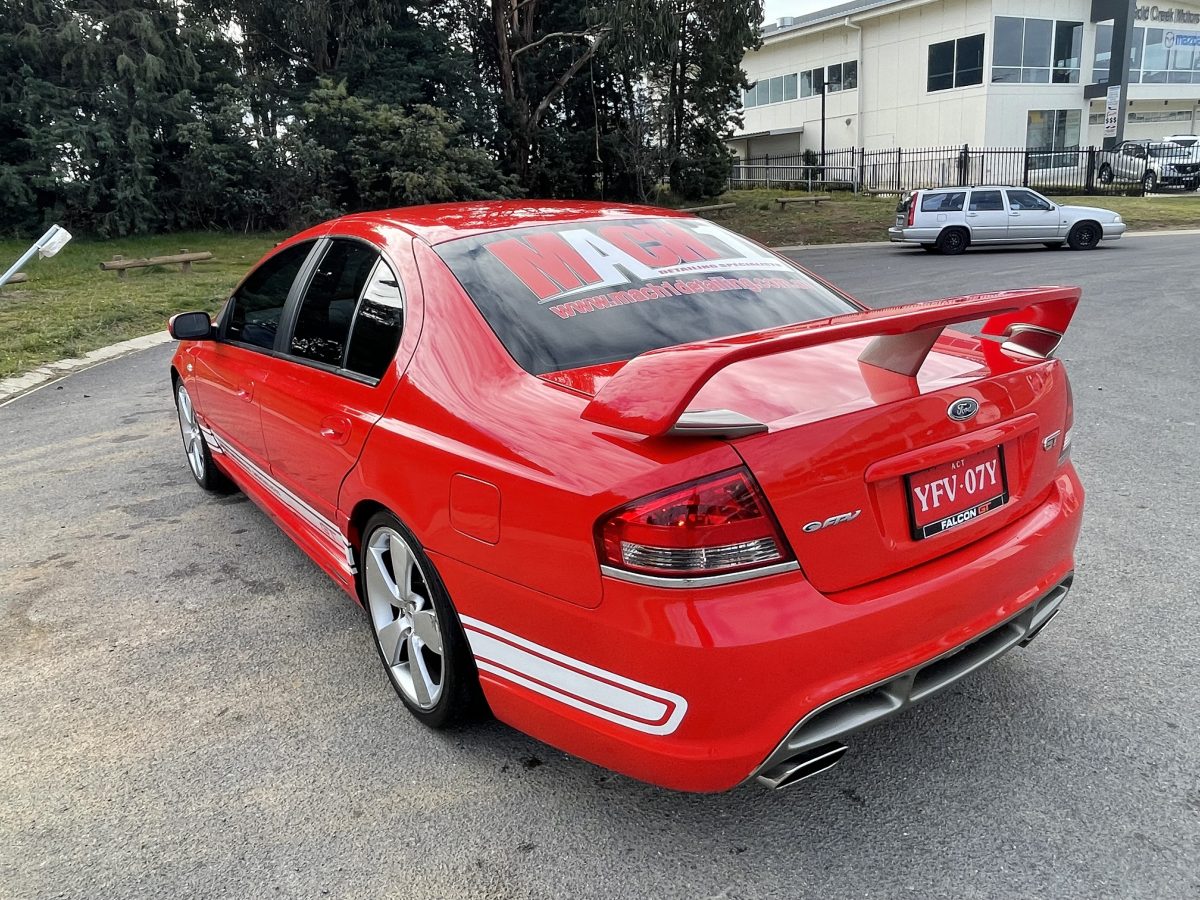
711,208
814,200
183,258
883,193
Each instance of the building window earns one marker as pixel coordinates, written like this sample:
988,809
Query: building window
1068,52
841,77
1103,53
833,79
955,63
770,90
1036,51
1054,134
850,75
1156,56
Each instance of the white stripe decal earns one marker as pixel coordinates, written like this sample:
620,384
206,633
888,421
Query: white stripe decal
321,525
573,682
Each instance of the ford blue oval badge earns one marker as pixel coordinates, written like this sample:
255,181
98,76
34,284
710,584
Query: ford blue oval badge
963,409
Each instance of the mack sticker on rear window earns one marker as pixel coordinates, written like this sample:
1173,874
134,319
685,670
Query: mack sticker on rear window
674,280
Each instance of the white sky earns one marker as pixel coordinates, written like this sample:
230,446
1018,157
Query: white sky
776,8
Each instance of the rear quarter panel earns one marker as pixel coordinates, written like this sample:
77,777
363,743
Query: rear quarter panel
464,408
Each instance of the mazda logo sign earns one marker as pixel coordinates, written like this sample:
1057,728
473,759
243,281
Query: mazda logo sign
963,409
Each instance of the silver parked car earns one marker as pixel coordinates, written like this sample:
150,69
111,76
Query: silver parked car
1153,164
951,219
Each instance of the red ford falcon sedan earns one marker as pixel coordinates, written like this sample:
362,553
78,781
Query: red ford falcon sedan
660,497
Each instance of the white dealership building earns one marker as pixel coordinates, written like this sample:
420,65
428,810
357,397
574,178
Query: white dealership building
994,73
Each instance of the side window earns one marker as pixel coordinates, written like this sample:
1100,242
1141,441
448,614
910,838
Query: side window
986,201
253,313
952,202
1026,200
378,324
323,321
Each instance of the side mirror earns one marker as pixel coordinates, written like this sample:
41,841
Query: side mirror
190,326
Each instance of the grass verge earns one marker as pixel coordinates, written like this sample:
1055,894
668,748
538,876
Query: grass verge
68,306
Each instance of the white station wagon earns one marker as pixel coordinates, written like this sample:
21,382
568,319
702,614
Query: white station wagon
951,219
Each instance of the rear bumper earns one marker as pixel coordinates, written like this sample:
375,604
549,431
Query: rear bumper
699,689
839,718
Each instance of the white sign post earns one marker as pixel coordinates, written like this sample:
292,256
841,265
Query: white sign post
1112,111
45,247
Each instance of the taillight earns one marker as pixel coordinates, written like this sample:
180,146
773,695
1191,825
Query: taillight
912,208
705,527
1064,451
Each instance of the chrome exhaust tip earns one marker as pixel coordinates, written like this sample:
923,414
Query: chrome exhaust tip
798,768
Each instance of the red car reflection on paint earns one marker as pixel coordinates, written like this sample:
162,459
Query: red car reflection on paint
660,497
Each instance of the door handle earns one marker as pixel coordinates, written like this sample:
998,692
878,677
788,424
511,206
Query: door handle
1014,214
336,429
972,215
246,391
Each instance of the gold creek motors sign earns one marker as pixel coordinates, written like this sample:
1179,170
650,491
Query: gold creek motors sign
1166,14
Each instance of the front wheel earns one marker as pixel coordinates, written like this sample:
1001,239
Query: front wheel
195,447
1084,236
416,629
1106,174
1149,182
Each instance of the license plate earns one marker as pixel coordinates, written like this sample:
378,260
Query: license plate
957,492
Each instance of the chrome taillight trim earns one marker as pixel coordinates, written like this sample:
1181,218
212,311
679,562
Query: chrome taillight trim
689,581
757,552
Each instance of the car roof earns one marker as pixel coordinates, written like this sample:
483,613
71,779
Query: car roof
979,187
440,222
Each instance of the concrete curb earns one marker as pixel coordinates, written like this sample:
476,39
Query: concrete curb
19,385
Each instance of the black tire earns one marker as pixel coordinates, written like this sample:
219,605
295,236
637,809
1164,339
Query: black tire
1085,236
929,248
953,241
1191,185
1053,245
1106,174
1149,181
195,447
459,697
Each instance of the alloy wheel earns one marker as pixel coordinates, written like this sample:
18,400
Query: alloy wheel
405,620
189,427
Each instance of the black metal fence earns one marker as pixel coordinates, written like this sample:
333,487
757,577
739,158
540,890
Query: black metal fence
1080,171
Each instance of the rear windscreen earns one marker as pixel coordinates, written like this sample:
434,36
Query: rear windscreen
584,293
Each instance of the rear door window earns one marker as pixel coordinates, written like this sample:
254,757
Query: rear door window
378,324
986,201
322,328
252,316
949,202
584,293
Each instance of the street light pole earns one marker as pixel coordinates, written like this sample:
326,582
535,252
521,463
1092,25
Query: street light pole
823,86
47,245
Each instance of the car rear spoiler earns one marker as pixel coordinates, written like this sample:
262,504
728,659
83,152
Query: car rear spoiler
651,393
